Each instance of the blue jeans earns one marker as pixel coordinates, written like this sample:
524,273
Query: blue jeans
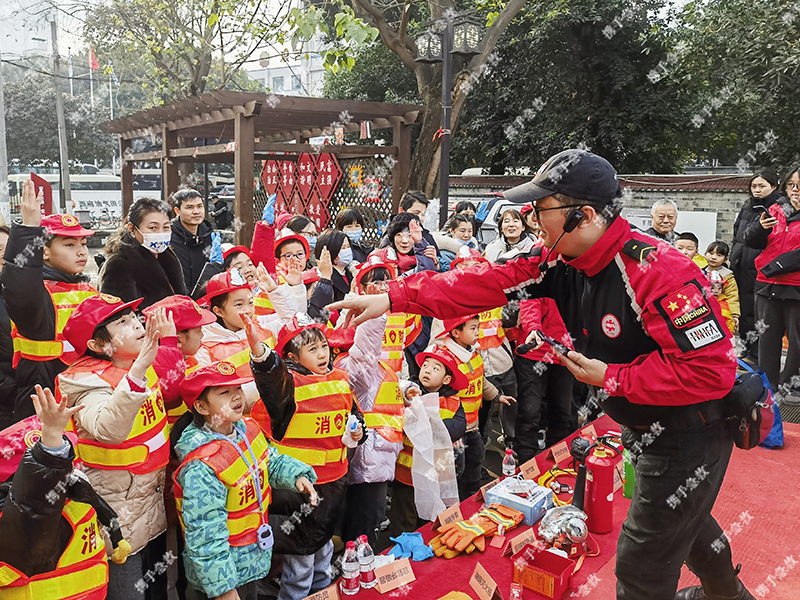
304,573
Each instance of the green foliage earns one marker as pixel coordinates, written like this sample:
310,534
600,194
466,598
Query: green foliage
32,130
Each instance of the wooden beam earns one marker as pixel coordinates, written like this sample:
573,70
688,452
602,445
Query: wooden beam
140,156
349,151
401,138
126,176
243,162
170,181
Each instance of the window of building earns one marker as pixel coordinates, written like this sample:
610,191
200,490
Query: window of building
295,82
277,84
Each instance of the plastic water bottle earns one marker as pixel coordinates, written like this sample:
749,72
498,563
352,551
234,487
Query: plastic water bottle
509,464
629,476
350,569
366,562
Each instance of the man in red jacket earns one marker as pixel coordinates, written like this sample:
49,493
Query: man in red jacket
651,346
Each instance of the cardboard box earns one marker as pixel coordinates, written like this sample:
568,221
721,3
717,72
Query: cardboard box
543,572
533,508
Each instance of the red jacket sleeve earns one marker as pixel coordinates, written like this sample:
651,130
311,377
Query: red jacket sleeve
170,367
542,313
463,292
696,361
263,246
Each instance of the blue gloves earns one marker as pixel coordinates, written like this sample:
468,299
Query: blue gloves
410,545
216,248
269,210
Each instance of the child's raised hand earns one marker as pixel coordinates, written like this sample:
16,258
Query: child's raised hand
294,273
53,415
252,334
416,231
265,280
149,349
163,323
324,264
304,486
30,207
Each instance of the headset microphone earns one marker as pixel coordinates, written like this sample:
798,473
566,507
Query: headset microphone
572,222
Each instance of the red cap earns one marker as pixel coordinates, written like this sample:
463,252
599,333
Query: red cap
185,312
216,374
236,249
222,283
65,226
89,314
287,235
466,253
342,338
450,324
299,323
526,209
17,438
375,261
460,380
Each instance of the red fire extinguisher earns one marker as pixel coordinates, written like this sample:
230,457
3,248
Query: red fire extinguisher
599,502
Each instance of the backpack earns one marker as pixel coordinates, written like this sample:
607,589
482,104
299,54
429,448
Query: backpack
753,416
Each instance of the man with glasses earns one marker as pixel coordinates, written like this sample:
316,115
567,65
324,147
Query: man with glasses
664,215
651,345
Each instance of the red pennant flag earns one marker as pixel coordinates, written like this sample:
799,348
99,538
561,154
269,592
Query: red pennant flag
93,64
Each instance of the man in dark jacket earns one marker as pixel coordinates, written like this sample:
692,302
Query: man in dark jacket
763,194
223,215
8,384
191,235
415,203
661,358
43,282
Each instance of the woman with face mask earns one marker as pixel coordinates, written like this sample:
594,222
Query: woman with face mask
140,262
336,270
350,222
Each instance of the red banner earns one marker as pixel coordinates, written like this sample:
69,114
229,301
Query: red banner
306,175
328,175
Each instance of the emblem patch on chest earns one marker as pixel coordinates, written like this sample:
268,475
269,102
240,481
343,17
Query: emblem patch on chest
611,326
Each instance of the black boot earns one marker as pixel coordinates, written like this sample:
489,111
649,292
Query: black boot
706,592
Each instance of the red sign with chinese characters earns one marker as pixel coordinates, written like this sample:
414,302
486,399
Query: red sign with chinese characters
328,175
317,210
269,176
306,175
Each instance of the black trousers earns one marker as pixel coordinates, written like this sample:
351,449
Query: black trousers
780,317
403,513
678,477
365,506
539,385
507,384
474,453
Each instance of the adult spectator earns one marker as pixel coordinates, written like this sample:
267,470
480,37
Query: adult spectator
763,194
415,203
8,385
777,287
350,222
513,235
223,215
341,256
140,263
191,235
664,216
302,225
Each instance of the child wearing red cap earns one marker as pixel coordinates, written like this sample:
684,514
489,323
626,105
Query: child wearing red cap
43,282
438,374
122,431
53,510
459,338
297,379
223,487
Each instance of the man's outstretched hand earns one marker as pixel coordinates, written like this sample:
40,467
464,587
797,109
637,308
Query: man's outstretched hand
586,370
362,308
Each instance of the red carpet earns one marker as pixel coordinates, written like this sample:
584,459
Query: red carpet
760,498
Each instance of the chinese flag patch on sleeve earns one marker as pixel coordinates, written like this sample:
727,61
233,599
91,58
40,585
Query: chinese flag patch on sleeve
690,319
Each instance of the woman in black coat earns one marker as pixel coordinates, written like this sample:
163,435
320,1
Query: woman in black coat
140,262
763,194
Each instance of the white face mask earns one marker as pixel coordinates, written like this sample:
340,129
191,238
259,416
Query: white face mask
345,257
156,242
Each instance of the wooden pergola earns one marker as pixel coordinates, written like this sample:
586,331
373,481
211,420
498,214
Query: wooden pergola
261,126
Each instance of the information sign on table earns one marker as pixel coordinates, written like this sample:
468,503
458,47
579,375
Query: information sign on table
483,584
392,576
448,515
329,593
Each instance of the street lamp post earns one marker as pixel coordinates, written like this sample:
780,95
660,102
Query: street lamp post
461,34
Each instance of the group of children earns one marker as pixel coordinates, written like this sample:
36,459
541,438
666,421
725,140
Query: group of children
256,428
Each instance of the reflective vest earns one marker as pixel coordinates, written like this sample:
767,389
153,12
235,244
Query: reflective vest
237,352
472,395
386,416
413,328
66,297
448,406
178,407
244,514
81,572
394,341
491,334
263,304
725,309
146,449
314,435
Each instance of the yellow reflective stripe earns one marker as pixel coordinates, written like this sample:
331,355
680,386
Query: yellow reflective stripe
62,316
381,420
248,522
471,405
314,458
112,457
40,348
178,411
317,425
321,389
239,469
240,358
446,414
7,575
467,526
72,297
62,586
405,460
470,367
262,301
391,355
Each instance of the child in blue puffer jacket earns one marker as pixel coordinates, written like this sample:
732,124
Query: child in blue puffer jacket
222,487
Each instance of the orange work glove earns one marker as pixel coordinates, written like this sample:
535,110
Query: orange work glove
461,534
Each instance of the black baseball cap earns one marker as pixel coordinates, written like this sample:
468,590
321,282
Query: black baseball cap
576,173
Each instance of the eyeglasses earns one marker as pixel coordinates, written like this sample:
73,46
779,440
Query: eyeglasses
537,210
792,186
298,255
